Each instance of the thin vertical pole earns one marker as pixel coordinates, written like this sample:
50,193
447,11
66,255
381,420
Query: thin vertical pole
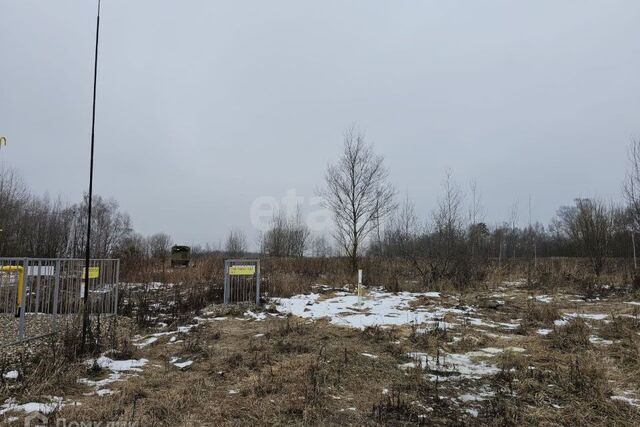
226,282
56,290
117,284
85,319
633,243
359,287
258,283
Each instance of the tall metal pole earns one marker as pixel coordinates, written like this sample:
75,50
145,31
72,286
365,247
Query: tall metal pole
85,317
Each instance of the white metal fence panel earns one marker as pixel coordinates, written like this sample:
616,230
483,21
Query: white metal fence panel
39,295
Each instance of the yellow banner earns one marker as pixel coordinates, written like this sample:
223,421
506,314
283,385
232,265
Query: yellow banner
242,270
94,272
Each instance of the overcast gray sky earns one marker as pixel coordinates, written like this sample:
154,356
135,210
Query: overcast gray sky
204,106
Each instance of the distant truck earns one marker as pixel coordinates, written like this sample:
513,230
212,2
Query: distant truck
180,256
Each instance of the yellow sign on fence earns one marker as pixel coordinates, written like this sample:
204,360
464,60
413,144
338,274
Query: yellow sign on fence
94,273
20,270
242,270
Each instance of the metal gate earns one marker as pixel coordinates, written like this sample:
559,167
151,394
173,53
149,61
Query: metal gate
241,281
39,295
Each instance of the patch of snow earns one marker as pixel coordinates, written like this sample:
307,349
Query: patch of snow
597,340
472,412
186,329
11,375
10,405
378,308
117,368
113,377
120,365
544,332
542,298
491,350
180,363
146,342
595,316
258,335
475,321
470,398
371,356
256,316
233,392
632,303
457,366
631,401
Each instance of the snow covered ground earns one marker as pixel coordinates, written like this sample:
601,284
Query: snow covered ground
378,308
118,370
452,366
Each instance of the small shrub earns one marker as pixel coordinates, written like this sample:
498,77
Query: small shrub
378,334
587,378
541,313
572,336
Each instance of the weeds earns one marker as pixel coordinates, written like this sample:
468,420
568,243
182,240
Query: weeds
574,336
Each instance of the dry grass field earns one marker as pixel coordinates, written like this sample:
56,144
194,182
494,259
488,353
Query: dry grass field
507,352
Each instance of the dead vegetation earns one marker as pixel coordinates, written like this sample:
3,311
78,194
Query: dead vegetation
572,337
294,371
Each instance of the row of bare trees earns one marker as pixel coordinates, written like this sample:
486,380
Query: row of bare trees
36,226
453,242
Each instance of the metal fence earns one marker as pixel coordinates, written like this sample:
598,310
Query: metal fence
241,281
39,295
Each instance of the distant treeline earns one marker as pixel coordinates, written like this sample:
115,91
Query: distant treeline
37,226
451,240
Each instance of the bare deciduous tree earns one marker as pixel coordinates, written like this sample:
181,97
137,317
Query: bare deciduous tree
320,247
440,249
448,245
358,193
160,246
287,235
632,180
236,245
589,224
513,222
109,226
